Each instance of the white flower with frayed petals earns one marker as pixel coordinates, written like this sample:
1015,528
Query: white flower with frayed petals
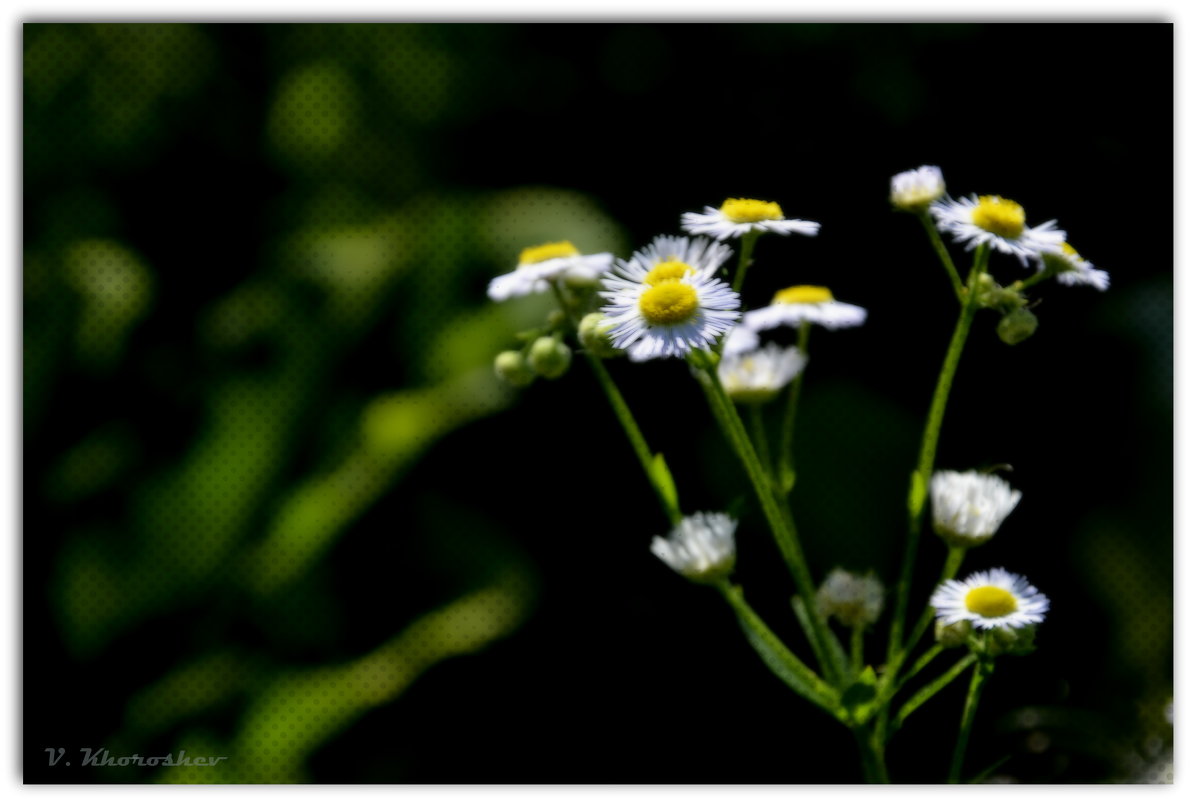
757,376
990,599
665,302
740,339
701,547
738,216
916,189
969,507
805,304
542,263
999,222
1072,269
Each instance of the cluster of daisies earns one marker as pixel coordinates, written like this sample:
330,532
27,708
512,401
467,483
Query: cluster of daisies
996,221
670,299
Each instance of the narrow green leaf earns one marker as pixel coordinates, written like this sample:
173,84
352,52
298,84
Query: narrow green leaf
664,481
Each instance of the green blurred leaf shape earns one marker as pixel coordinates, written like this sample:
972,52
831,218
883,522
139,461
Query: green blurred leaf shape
187,691
303,709
314,113
115,288
395,430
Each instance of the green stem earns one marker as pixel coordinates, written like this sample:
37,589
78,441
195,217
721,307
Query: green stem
920,483
787,475
954,558
871,754
931,689
747,242
635,437
857,649
759,437
781,524
1032,280
943,253
793,671
918,666
978,679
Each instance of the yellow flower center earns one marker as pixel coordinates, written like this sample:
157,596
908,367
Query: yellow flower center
990,602
803,294
1001,217
1069,251
669,270
550,250
668,303
745,210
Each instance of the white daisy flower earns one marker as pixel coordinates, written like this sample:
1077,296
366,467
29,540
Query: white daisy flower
997,221
701,547
757,376
737,216
1072,269
916,189
797,304
854,599
990,599
552,260
665,302
740,339
969,507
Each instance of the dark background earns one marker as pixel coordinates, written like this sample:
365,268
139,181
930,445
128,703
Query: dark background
265,460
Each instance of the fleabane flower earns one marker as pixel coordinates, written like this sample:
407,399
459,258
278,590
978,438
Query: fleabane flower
665,300
915,190
990,599
969,507
812,304
1072,269
997,221
738,216
757,376
539,264
740,339
701,547
853,599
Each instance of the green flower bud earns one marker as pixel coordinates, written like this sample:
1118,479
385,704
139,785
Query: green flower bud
549,357
555,319
512,368
1011,641
991,295
593,334
953,636
1016,326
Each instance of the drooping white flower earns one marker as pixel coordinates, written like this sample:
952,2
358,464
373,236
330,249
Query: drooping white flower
915,190
738,216
757,376
1072,269
997,221
969,507
664,301
701,547
990,599
797,304
541,263
853,599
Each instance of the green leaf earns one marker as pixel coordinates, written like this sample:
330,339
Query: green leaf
663,480
917,493
860,697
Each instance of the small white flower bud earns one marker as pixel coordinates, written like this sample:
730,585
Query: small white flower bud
969,507
916,189
701,547
853,599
